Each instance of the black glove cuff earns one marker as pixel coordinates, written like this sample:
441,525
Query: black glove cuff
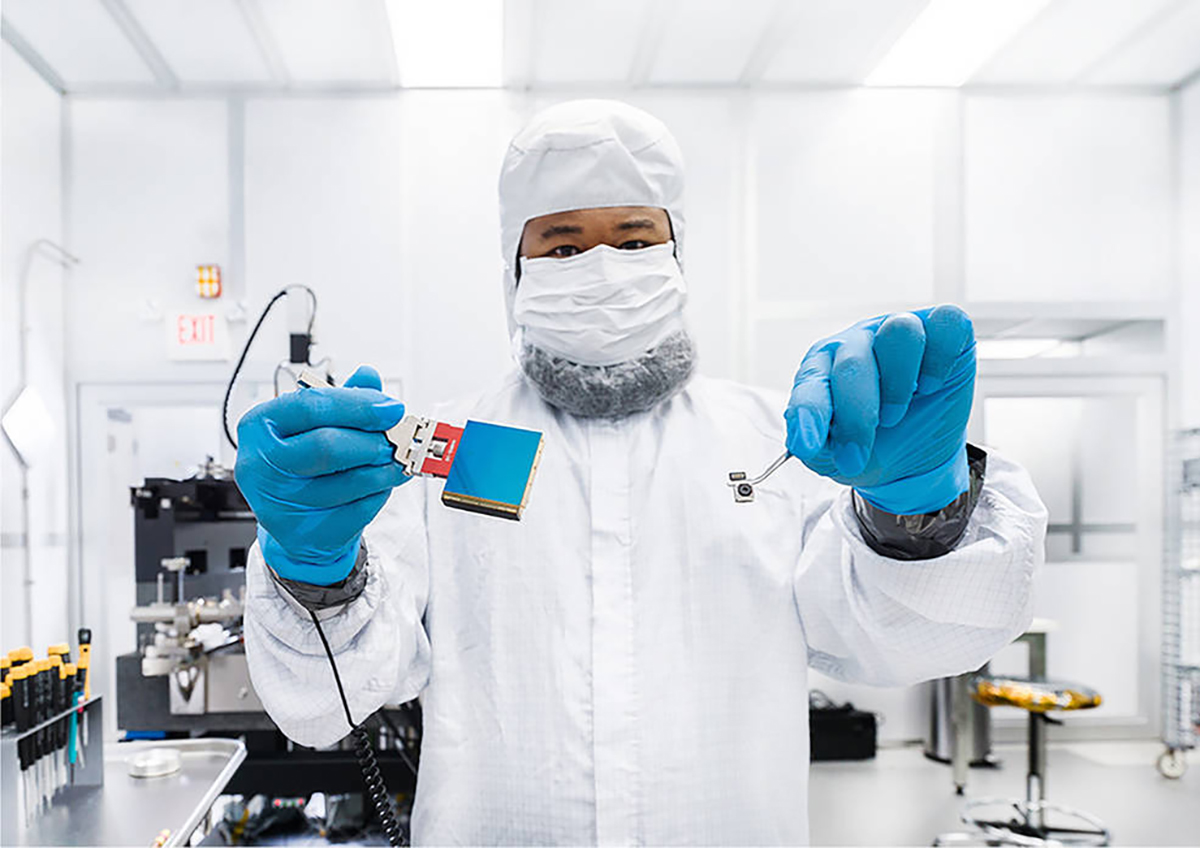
316,598
933,534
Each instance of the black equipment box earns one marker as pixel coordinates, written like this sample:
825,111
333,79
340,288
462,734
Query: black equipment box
841,733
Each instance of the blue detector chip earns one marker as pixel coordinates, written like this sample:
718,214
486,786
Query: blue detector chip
493,469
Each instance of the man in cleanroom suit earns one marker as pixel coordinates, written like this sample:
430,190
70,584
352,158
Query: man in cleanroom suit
629,662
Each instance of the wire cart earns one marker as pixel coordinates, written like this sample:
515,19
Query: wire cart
1181,606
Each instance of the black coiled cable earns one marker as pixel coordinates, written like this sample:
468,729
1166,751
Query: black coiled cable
376,788
364,751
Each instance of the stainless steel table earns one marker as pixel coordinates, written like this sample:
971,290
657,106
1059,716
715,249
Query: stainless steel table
134,811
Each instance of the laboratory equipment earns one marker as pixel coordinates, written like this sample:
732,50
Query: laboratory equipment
488,468
191,543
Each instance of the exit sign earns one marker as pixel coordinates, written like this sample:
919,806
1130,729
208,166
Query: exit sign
197,336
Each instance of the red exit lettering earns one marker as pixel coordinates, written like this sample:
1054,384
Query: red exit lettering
195,329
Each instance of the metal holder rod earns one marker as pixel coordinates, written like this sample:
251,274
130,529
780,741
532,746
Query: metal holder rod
56,717
771,469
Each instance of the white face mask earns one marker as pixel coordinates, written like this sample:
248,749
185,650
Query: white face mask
602,306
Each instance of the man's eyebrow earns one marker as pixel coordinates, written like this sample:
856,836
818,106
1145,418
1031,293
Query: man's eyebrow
562,230
637,224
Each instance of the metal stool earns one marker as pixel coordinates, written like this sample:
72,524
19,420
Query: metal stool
1009,821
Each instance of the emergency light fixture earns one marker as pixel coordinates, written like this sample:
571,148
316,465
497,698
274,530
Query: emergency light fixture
208,281
950,40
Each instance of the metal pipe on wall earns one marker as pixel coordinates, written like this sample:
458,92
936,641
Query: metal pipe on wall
59,254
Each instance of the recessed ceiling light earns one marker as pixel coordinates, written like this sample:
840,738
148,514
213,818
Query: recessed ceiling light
950,40
449,45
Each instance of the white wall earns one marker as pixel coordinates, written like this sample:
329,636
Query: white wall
386,205
1188,229
148,201
805,210
31,201
1068,198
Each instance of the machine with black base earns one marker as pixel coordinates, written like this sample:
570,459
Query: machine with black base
189,677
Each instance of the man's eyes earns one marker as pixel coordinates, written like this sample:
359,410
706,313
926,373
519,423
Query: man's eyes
565,250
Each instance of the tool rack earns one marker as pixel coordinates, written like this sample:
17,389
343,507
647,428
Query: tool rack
18,812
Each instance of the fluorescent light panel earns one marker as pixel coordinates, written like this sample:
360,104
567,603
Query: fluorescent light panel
950,40
1024,348
456,44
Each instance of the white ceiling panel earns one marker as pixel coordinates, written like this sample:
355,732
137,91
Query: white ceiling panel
839,41
1068,38
331,41
80,40
205,42
585,42
710,41
1162,53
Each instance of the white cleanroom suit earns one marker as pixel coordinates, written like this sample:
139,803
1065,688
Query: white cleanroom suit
629,662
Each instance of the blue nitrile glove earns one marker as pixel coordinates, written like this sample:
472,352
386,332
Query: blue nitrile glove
315,467
883,407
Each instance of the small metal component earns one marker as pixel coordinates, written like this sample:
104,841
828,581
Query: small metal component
743,489
424,446
180,566
311,379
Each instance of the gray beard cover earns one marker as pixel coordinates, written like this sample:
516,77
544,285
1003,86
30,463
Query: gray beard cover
611,391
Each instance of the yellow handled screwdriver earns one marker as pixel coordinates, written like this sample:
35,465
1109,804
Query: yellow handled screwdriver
6,705
85,660
84,667
23,716
60,655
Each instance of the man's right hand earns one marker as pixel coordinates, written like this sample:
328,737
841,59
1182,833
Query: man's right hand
315,467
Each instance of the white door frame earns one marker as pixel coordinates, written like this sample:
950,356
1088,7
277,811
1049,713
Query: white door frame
1149,390
93,403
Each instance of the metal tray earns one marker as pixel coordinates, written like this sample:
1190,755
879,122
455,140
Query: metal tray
129,810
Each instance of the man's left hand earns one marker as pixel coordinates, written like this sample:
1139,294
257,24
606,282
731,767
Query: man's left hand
883,406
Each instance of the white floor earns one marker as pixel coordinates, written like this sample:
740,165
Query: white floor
901,798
